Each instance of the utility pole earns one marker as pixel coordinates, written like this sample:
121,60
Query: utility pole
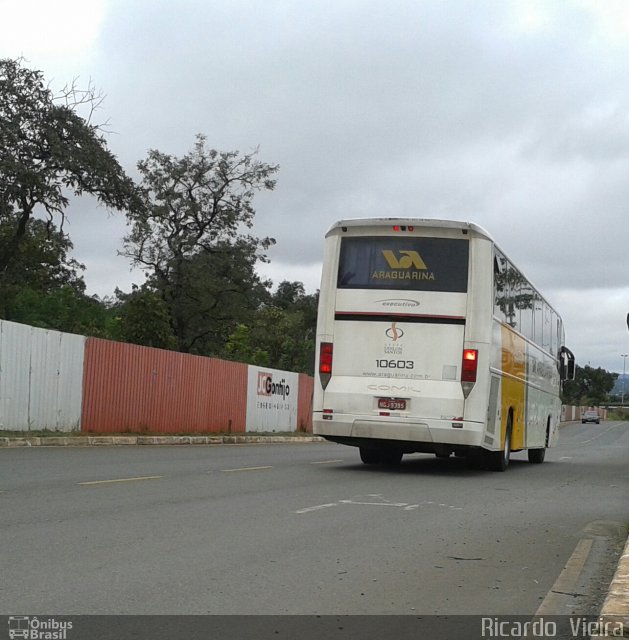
622,393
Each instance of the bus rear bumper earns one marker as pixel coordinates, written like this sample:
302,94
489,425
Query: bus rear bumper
355,430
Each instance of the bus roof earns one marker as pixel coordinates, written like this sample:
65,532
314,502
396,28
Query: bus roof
415,222
423,222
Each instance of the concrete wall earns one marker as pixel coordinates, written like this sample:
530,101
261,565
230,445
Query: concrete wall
571,413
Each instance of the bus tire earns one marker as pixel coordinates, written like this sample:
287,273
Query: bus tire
391,457
369,455
536,456
499,460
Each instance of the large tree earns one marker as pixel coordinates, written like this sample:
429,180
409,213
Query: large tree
191,239
590,386
48,152
43,286
41,262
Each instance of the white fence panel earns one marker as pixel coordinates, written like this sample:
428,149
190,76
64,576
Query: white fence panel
41,378
15,356
272,400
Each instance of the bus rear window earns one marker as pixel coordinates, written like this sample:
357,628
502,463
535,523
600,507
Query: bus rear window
409,263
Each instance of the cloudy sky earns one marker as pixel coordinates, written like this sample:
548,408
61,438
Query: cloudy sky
513,114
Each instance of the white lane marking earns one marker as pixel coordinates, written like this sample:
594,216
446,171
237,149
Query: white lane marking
317,507
375,504
566,458
246,469
326,461
598,435
119,480
382,503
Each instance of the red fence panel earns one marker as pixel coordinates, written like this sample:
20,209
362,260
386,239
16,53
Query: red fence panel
128,388
304,408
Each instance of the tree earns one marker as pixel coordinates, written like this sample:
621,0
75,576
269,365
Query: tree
43,286
590,386
282,332
240,347
63,309
47,150
40,263
142,318
189,237
296,351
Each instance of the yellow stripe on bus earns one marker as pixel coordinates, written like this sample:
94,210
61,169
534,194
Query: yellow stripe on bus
513,386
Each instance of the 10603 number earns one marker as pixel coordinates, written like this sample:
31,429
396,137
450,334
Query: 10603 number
395,364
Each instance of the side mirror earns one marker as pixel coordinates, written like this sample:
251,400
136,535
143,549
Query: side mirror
572,367
567,364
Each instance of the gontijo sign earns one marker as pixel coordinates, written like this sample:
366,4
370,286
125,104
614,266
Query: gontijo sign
272,400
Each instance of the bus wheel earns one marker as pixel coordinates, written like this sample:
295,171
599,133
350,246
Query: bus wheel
442,451
499,460
536,456
369,455
391,457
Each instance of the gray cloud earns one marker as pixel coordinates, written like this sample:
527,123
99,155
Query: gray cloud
513,115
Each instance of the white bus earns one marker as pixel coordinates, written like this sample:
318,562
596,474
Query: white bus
430,340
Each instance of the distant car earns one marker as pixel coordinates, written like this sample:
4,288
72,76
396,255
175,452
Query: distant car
590,416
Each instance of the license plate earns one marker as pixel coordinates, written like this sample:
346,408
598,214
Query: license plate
392,404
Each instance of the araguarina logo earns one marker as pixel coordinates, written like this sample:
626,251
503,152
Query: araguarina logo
407,265
407,260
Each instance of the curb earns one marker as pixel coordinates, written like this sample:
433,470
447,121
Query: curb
95,441
614,615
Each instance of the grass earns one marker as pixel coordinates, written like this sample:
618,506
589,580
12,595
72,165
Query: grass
618,414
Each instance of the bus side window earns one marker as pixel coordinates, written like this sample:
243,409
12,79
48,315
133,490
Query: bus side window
500,287
526,311
554,329
539,320
547,329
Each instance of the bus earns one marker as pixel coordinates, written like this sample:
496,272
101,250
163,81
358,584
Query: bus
430,340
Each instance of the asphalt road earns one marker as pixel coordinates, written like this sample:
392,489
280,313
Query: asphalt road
306,528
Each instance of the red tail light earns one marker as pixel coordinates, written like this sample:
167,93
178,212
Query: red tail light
325,357
326,352
470,365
